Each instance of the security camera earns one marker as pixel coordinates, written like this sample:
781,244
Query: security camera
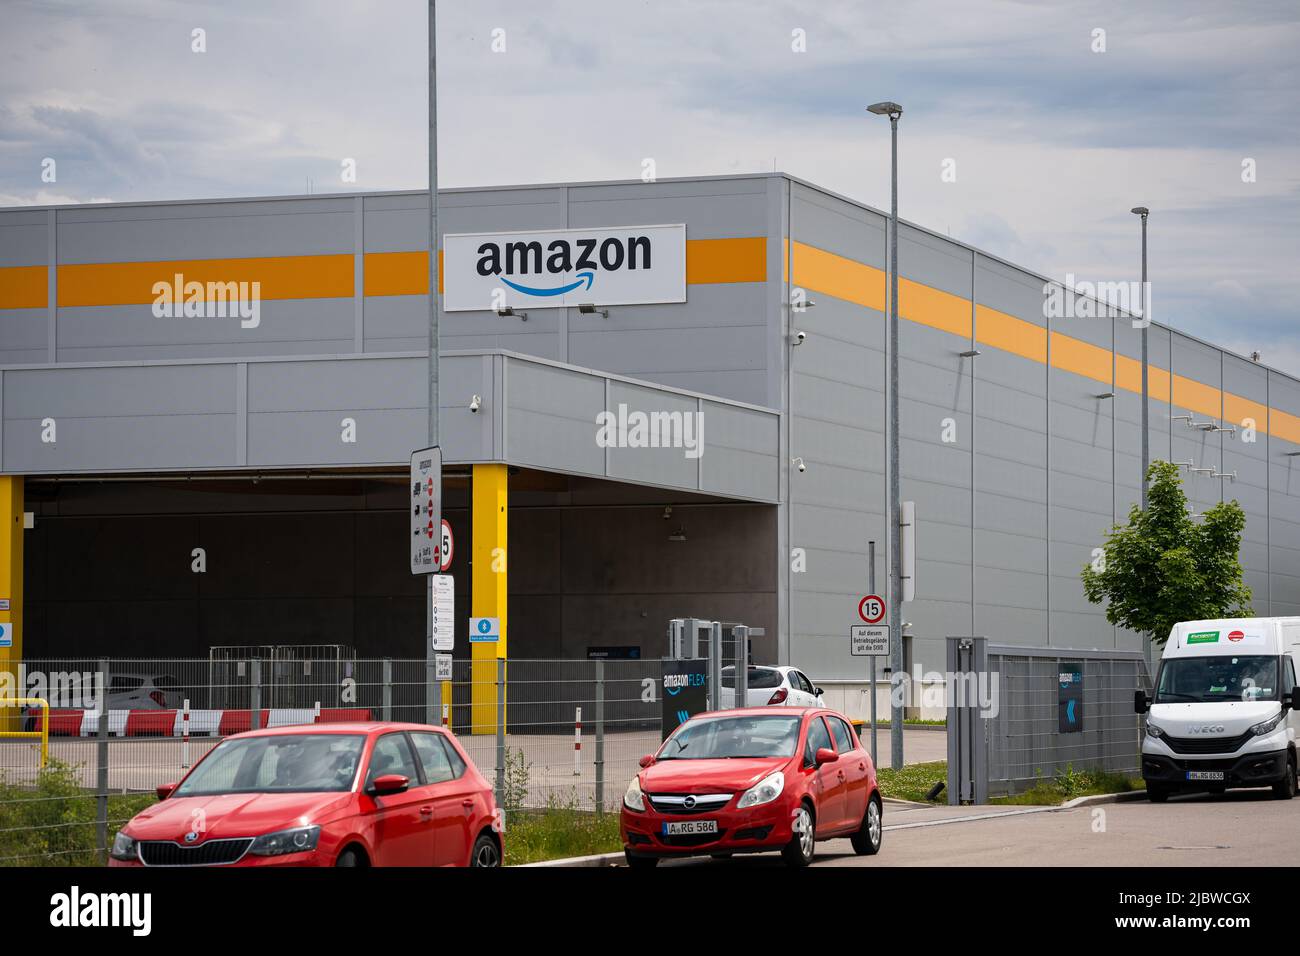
474,403
799,337
798,463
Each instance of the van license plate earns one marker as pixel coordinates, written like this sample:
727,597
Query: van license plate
690,827
1205,775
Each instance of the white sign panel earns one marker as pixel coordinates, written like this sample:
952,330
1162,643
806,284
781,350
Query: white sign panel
442,614
442,667
631,265
426,510
867,641
484,629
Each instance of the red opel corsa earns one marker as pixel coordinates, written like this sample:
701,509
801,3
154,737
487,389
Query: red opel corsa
355,794
749,780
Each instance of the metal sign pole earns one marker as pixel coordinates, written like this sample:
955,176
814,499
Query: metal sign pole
871,587
430,663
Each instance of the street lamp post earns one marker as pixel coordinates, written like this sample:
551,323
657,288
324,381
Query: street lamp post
1143,211
894,111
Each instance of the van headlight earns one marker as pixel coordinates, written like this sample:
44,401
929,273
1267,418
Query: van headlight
765,791
634,799
297,840
1267,726
124,847
1153,730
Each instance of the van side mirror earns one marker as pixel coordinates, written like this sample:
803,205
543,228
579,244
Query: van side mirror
1292,700
1141,702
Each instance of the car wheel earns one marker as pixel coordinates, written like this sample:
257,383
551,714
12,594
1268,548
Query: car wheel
485,852
799,851
638,862
1157,794
348,858
866,842
1285,788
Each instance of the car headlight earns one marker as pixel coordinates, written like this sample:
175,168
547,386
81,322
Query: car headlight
1153,730
765,791
1267,726
124,847
297,840
634,799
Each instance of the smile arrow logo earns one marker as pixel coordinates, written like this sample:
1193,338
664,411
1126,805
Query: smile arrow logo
587,277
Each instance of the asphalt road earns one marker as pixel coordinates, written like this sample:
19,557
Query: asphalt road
1239,828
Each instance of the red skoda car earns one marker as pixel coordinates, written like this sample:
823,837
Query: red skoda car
356,794
750,780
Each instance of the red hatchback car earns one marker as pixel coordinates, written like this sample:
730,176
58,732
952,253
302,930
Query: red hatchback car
348,794
750,780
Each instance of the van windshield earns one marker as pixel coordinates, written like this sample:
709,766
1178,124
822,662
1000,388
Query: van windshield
1205,679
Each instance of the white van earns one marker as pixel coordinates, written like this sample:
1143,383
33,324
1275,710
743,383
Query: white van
1224,710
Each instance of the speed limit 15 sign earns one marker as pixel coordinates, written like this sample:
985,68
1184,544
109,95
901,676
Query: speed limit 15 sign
872,609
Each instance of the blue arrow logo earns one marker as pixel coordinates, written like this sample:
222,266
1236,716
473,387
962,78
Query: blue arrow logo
1069,712
587,277
682,716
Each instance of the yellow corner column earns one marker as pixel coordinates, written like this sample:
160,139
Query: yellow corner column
489,514
11,591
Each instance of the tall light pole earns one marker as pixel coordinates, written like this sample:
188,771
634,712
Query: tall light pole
430,665
1143,211
894,111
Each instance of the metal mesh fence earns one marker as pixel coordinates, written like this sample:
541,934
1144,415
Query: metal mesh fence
1024,739
572,733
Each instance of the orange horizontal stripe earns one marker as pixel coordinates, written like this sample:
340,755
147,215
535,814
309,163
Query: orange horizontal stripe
24,287
1237,409
846,279
1082,358
1011,334
934,307
726,260
397,273
1283,425
132,283
1197,397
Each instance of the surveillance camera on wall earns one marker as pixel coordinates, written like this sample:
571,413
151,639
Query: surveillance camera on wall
474,403
798,463
799,337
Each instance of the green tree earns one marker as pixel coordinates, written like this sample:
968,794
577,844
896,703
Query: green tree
1163,567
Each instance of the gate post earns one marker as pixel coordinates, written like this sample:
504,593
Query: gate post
101,756
388,690
255,695
968,769
715,665
600,737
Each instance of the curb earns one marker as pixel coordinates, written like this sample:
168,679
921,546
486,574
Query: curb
862,725
1099,798
598,859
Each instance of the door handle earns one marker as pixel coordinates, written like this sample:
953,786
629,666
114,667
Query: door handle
426,811
840,774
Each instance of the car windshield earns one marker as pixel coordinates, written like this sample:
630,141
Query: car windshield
1204,679
286,763
713,738
759,678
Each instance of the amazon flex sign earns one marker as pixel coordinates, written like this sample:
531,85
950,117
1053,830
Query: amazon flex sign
635,265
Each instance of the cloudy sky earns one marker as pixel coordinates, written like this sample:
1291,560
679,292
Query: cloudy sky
1057,117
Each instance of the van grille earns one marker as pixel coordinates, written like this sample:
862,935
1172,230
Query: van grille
1206,745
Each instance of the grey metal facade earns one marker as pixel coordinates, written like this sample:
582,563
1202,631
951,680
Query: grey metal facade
1012,494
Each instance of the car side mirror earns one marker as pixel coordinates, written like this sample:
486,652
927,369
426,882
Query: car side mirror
824,756
390,783
646,761
164,790
1141,702
817,692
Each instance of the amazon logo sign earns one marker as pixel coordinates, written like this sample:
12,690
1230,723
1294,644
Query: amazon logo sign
637,265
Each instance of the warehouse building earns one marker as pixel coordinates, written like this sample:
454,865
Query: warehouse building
633,426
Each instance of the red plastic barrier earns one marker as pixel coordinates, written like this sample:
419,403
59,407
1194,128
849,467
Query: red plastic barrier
63,723
150,723
338,715
238,721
